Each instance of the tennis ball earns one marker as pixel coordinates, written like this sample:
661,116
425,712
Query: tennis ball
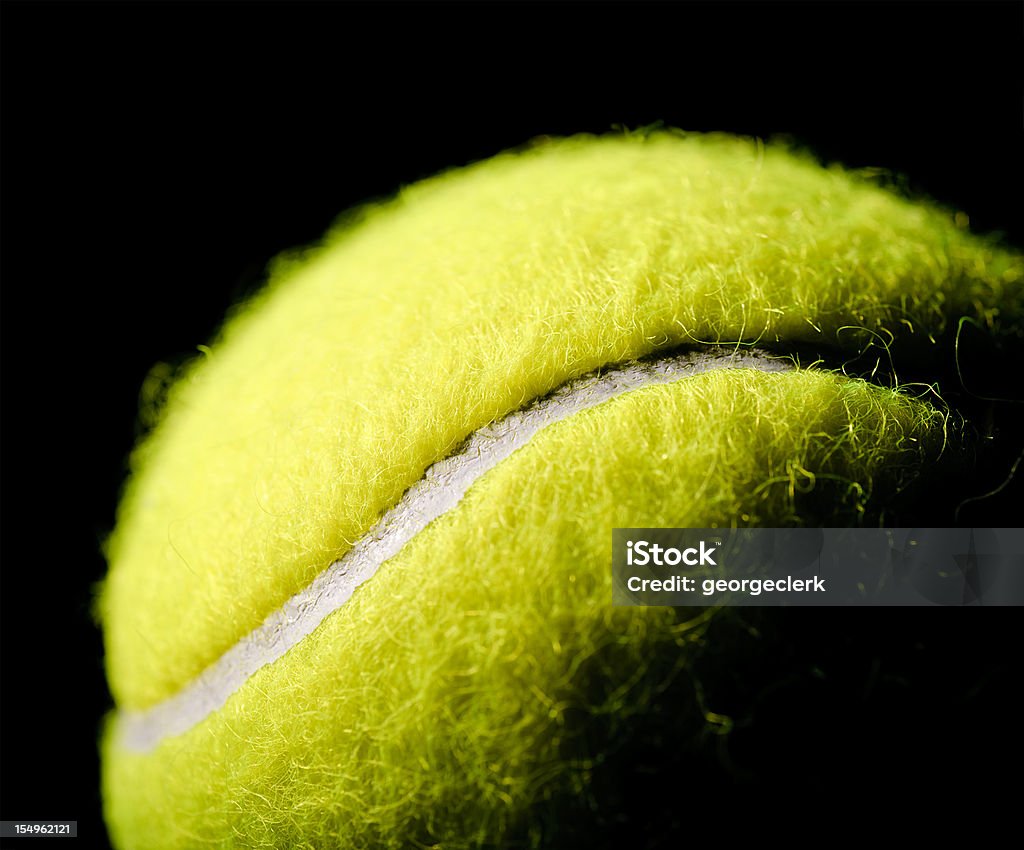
360,591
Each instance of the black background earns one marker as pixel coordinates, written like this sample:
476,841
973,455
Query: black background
155,157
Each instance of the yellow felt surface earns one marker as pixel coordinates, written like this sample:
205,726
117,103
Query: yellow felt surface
483,675
467,296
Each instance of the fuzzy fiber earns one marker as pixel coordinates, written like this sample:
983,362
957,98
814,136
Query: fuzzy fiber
439,703
457,693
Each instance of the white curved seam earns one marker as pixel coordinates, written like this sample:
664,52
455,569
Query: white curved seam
439,490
